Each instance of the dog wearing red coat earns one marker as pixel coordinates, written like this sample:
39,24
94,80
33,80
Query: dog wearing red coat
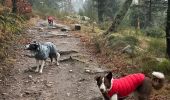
139,84
50,20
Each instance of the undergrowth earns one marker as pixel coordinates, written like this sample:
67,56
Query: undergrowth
157,47
11,27
148,50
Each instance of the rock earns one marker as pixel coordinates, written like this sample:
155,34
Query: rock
161,59
41,29
91,60
132,50
85,18
43,24
129,50
4,94
78,90
68,94
27,92
26,81
49,84
87,71
81,80
65,29
99,70
30,76
70,71
20,95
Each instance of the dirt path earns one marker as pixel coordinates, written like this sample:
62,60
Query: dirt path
72,80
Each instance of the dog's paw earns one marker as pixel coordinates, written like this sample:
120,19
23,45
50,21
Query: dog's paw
58,64
40,72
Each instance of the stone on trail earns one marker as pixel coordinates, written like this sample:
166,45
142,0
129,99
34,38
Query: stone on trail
78,90
5,94
43,24
70,71
58,26
49,84
85,18
81,79
30,76
127,49
87,71
68,94
40,29
63,28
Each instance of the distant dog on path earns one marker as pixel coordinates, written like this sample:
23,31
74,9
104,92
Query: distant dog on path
139,84
50,20
43,51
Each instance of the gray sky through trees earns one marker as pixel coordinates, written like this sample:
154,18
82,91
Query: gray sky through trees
77,4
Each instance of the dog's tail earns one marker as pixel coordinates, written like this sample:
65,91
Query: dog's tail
158,80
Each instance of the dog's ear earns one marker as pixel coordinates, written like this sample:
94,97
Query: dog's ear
37,46
35,42
109,75
97,78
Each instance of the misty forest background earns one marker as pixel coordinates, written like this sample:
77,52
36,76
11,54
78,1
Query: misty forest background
132,35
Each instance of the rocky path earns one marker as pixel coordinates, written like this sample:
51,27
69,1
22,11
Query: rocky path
72,80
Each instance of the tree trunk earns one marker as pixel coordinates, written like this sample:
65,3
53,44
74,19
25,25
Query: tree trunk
14,6
168,30
119,17
100,10
138,22
150,13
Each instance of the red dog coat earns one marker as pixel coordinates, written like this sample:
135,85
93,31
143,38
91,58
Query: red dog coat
126,85
50,19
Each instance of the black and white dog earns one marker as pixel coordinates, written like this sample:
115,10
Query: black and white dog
43,51
138,83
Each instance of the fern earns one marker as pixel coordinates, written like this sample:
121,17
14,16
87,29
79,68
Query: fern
10,22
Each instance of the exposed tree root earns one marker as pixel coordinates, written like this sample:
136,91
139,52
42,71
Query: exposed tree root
29,56
67,52
71,59
58,36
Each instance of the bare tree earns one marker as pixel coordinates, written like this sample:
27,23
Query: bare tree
119,17
168,30
14,6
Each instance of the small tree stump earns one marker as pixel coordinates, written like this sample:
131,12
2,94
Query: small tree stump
77,27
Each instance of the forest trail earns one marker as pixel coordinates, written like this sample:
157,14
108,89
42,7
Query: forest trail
72,80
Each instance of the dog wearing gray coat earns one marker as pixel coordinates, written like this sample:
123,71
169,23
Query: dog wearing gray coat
43,51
